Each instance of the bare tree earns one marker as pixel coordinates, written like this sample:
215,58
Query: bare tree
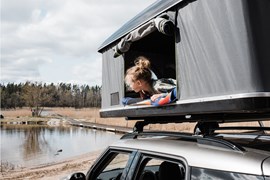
36,97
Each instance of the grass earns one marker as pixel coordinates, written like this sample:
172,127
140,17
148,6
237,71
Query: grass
20,115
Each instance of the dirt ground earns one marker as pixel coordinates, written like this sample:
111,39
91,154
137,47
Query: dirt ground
79,163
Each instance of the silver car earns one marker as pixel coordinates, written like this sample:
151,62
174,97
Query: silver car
205,154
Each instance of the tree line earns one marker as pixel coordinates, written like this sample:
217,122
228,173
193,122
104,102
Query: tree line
39,95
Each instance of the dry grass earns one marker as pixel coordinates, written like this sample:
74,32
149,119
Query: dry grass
252,123
16,113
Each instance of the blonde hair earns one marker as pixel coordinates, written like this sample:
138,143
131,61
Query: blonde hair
141,70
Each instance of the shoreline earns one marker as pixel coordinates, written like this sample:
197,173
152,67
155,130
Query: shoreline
56,170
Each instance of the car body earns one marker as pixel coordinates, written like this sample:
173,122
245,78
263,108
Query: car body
145,155
218,52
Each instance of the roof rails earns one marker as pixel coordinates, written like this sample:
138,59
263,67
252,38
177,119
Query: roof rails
207,140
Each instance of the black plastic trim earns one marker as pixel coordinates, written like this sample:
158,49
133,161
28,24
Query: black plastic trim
230,110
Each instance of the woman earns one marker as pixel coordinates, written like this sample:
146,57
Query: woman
142,80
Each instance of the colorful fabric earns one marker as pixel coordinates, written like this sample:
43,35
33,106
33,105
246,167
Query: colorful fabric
169,98
163,100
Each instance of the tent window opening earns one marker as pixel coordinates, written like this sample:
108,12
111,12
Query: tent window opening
159,49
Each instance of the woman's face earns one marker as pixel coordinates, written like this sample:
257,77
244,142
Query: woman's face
135,85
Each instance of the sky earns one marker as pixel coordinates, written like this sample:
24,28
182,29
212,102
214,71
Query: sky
53,41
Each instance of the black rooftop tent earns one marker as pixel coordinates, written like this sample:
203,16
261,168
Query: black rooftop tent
217,50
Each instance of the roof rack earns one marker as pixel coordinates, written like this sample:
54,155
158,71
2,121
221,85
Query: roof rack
203,132
207,140
203,127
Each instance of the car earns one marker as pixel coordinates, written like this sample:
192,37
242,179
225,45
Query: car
211,152
218,53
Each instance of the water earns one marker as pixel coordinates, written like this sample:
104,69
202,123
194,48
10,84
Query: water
25,145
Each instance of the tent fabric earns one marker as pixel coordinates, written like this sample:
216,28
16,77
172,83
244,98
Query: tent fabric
112,78
124,44
146,15
160,23
215,35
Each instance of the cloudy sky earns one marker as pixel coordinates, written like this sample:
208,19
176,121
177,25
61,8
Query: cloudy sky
52,41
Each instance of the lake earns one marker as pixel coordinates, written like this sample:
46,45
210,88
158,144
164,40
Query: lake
28,145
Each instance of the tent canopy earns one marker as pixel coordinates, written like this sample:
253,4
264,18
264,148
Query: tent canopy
218,53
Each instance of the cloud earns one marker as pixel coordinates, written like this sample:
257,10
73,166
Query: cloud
48,33
28,69
82,73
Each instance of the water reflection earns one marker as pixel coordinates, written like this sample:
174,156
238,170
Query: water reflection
35,142
32,145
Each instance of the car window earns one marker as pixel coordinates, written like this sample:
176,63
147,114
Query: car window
111,166
155,168
150,170
201,173
119,162
115,167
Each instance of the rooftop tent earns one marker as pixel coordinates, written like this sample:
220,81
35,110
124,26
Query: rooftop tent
218,51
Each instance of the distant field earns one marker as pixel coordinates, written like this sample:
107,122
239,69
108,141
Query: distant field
92,115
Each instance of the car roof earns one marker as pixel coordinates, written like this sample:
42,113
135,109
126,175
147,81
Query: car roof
201,155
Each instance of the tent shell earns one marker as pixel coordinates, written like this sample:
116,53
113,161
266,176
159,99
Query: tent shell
220,51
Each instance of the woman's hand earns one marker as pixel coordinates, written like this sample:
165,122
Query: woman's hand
156,96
